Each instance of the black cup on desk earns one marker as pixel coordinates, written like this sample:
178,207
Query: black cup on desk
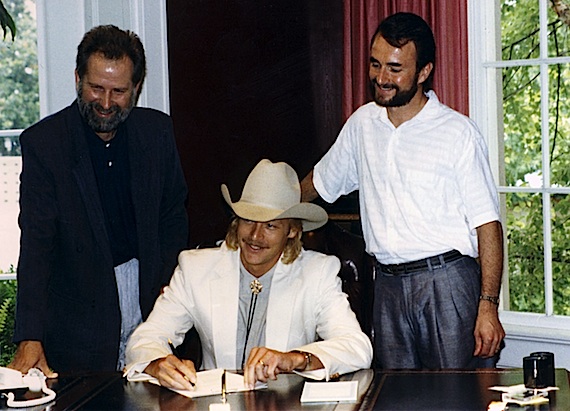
550,380
539,370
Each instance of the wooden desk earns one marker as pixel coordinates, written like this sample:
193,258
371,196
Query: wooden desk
451,390
388,390
283,394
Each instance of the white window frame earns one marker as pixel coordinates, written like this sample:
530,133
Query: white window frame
62,24
526,332
60,27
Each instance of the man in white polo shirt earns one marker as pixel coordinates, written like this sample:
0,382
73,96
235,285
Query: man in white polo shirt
428,208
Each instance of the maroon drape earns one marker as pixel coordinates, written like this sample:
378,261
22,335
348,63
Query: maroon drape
448,20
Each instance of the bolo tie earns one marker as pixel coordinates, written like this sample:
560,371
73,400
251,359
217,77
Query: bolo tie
255,287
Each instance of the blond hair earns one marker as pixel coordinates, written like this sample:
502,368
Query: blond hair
292,247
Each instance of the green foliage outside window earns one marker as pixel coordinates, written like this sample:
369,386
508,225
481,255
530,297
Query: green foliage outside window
523,155
7,312
19,87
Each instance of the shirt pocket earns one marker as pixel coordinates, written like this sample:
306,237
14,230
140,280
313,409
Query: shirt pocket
425,194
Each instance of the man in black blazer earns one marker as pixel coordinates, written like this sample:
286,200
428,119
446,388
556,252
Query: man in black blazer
102,214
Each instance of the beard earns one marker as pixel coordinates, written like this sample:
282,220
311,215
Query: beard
401,98
103,125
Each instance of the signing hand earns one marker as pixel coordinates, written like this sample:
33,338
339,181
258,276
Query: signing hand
173,373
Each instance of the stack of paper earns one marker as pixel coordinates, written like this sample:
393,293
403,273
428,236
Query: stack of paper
330,391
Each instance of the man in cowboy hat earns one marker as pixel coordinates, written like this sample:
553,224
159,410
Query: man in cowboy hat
259,297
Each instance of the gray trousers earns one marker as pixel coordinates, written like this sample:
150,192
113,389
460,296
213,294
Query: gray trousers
426,319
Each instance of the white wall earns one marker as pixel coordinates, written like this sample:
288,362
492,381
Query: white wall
61,25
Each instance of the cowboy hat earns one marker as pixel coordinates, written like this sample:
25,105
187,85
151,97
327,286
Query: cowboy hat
271,192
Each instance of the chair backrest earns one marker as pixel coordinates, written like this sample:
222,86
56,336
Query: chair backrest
356,270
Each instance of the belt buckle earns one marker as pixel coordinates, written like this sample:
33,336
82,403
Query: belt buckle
436,262
390,269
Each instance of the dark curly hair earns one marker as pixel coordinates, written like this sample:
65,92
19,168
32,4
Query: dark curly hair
114,44
401,28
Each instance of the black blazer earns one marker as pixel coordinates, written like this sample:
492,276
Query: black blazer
67,293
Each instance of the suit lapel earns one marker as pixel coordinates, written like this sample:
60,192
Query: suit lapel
85,177
144,181
224,290
284,291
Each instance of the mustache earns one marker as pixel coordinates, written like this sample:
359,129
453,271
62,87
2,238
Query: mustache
253,243
111,110
386,85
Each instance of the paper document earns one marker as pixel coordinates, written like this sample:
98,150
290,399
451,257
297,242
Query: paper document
521,395
330,391
209,383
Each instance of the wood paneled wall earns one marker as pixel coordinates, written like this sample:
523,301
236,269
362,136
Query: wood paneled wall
250,80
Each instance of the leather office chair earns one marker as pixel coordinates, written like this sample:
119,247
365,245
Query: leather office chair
356,272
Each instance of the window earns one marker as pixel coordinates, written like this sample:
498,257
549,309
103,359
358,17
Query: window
536,179
19,105
520,71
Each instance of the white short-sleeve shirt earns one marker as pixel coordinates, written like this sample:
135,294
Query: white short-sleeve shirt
424,186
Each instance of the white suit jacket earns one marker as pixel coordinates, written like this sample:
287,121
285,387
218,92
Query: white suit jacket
306,303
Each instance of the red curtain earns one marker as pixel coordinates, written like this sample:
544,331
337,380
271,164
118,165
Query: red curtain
448,20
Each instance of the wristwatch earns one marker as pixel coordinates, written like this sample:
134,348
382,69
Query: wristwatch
490,298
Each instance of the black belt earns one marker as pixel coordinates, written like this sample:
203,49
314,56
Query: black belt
420,265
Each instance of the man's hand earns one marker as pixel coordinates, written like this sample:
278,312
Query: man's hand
264,364
488,331
173,372
30,354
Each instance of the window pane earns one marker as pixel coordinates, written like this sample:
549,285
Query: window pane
525,252
520,29
19,108
19,90
559,123
522,131
558,29
561,253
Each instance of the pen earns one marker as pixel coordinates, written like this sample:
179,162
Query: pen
173,349
224,387
175,352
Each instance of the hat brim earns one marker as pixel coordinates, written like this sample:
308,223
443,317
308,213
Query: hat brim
312,215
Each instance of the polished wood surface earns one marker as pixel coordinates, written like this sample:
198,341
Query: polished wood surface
452,390
380,390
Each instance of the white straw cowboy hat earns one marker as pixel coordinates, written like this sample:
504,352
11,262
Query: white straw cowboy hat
271,192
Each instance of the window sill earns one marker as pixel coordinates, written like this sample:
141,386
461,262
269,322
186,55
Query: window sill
527,332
